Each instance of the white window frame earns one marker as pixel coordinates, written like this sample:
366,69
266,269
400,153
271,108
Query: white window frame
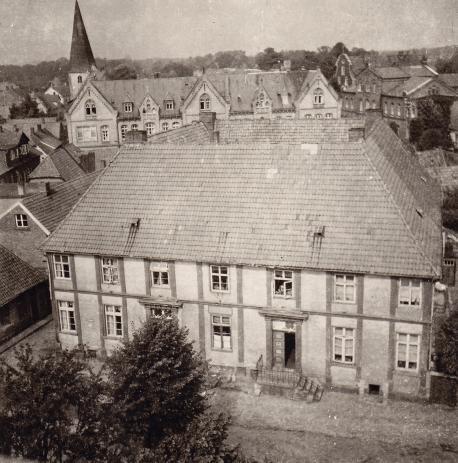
284,278
123,130
113,320
86,133
169,105
344,281
318,97
105,133
161,312
328,116
205,102
409,300
67,319
347,336
134,127
219,278
409,345
79,79
165,126
128,107
110,270
22,221
62,266
175,125
221,330
149,126
160,275
90,108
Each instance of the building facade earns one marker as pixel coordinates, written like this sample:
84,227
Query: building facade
320,286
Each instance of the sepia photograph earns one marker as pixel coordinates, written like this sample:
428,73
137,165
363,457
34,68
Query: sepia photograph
228,231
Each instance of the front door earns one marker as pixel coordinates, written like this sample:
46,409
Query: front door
284,350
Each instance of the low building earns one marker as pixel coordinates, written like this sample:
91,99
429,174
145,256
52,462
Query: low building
316,255
24,295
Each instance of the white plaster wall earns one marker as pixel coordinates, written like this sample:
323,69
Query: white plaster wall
90,321
186,278
375,357
377,291
85,273
313,291
134,271
254,332
314,346
254,286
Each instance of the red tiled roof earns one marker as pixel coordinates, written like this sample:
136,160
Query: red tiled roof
16,276
261,204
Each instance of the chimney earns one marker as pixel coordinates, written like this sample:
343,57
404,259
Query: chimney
90,162
136,136
209,120
39,127
49,190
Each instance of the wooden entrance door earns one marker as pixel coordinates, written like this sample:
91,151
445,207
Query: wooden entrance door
278,356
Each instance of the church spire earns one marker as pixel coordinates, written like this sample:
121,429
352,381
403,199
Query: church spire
81,57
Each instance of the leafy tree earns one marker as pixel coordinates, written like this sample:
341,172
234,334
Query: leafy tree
28,108
47,405
448,66
121,72
268,59
447,345
338,49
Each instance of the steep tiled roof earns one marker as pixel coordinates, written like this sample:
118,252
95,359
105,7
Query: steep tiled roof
419,70
192,134
9,138
16,276
60,162
334,206
292,131
449,79
81,57
447,176
410,86
391,72
45,140
50,210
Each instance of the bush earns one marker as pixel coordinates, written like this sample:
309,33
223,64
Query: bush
447,345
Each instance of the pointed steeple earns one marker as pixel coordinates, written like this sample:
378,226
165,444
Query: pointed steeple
81,57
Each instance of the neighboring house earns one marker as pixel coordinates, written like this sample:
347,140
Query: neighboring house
102,112
59,89
17,157
24,295
318,256
26,223
394,91
27,125
9,95
44,140
59,166
449,274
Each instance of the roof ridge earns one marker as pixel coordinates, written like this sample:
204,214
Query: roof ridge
401,215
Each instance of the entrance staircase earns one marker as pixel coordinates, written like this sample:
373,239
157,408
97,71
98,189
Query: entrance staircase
289,383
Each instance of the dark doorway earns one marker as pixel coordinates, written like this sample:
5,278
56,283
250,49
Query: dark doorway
290,350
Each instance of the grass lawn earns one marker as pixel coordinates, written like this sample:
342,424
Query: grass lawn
340,428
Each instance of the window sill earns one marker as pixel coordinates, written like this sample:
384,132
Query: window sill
335,301
63,278
71,333
160,287
214,291
113,338
277,296
344,365
222,350
402,372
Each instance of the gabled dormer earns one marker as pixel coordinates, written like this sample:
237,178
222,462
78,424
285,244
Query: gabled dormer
262,103
149,108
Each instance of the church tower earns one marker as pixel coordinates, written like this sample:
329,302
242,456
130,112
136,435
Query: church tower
82,61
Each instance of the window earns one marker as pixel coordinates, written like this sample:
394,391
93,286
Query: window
360,106
344,288
110,272
23,149
66,316
62,266
392,109
399,110
343,346
128,107
308,116
91,109
318,116
342,70
148,105
123,132
160,274
175,125
149,128
262,101
407,351
385,107
359,87
161,312
374,105
113,320
283,283
21,221
328,116
85,134
169,104
80,79
374,88
219,275
204,102
134,127
165,126
318,97
409,293
105,133
221,329
368,104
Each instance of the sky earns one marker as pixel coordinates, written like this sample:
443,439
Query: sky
38,30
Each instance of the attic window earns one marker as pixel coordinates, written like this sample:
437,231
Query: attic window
21,221
318,97
80,79
169,104
204,102
128,107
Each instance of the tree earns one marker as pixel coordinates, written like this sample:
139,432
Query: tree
448,66
122,72
28,108
447,345
338,49
268,59
47,406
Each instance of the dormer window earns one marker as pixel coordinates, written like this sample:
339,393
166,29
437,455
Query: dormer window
80,79
262,102
318,97
91,109
169,104
204,102
128,107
